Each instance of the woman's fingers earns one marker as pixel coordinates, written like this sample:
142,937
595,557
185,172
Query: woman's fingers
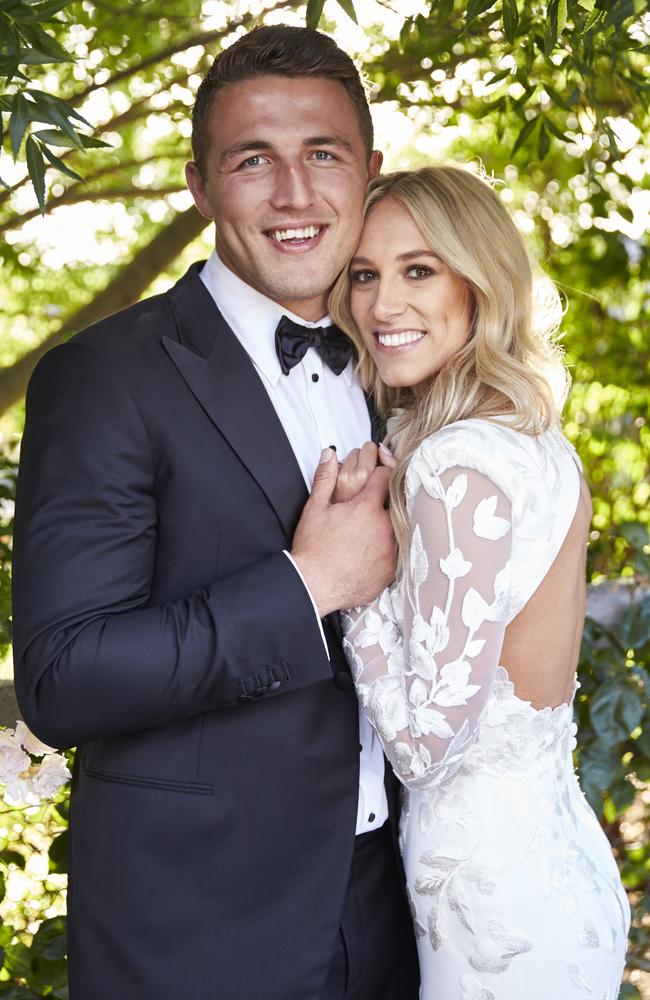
385,457
355,472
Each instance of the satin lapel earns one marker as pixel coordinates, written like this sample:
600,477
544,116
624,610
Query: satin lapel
375,420
232,394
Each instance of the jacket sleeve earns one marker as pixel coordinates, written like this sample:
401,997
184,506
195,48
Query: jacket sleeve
424,656
92,657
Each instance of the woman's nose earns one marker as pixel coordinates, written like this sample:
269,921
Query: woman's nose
388,301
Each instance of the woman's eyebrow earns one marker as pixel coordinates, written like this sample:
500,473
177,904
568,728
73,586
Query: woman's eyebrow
409,255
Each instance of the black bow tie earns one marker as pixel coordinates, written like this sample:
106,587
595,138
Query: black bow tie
292,341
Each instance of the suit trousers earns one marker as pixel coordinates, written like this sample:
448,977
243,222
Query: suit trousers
375,957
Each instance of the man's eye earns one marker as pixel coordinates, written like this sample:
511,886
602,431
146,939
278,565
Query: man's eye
254,161
322,154
362,277
419,271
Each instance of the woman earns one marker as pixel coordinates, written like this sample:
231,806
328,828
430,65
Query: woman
466,665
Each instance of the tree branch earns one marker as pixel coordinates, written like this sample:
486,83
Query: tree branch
201,38
126,287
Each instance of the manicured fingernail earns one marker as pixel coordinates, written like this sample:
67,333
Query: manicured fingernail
325,455
386,451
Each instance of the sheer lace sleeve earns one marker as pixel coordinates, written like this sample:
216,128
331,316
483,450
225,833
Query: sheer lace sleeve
424,655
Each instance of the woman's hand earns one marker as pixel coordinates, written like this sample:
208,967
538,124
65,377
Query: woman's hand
357,468
355,472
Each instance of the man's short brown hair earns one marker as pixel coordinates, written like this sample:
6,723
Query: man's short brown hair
280,50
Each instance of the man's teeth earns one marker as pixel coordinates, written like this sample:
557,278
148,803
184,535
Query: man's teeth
307,232
398,339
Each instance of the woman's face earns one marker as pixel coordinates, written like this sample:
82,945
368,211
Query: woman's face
411,310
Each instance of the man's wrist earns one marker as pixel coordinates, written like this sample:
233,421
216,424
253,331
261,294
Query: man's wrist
324,601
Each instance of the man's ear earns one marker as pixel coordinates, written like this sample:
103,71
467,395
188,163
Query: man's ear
374,166
196,184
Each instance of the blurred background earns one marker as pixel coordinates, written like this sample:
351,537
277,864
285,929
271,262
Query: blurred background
550,98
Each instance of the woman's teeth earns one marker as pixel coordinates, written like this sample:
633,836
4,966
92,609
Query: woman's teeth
306,233
399,339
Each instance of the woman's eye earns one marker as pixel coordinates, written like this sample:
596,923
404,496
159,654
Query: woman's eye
419,271
362,277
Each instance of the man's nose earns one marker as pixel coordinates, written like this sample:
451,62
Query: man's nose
293,189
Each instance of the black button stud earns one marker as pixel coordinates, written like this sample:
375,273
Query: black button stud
371,818
343,680
314,377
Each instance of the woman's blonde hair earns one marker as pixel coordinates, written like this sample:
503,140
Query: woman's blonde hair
510,362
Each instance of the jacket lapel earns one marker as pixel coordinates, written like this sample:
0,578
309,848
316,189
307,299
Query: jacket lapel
223,379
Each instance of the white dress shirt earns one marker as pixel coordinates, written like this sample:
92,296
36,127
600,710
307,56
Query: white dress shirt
317,409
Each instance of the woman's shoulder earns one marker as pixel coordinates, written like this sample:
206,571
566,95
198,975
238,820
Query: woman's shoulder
512,459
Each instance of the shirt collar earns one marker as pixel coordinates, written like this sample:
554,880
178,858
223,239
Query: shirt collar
252,317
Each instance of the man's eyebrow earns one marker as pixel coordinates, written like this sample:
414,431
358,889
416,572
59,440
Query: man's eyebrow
329,140
248,146
256,145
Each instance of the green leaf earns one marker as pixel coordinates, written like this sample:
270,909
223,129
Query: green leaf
561,16
594,18
40,40
89,142
58,853
543,141
36,168
50,939
57,162
57,115
635,626
622,10
476,7
54,138
510,16
348,7
550,125
314,11
46,10
643,742
599,768
615,711
18,122
526,131
551,27
9,857
8,991
622,794
635,534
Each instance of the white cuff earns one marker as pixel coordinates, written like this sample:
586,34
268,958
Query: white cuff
320,624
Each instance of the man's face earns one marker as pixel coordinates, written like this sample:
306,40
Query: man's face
285,180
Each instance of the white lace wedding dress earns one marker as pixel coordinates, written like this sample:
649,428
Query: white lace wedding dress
514,891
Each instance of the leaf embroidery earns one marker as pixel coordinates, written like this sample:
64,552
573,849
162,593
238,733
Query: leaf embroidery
486,522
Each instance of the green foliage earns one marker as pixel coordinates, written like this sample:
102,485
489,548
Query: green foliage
546,96
24,42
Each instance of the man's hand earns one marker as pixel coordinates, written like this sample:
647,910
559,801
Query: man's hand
345,551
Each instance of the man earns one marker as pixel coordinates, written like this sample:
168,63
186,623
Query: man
228,838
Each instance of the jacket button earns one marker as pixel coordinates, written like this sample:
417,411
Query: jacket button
260,691
246,697
343,680
274,685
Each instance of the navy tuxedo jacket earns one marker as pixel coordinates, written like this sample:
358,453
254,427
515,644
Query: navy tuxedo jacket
160,628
